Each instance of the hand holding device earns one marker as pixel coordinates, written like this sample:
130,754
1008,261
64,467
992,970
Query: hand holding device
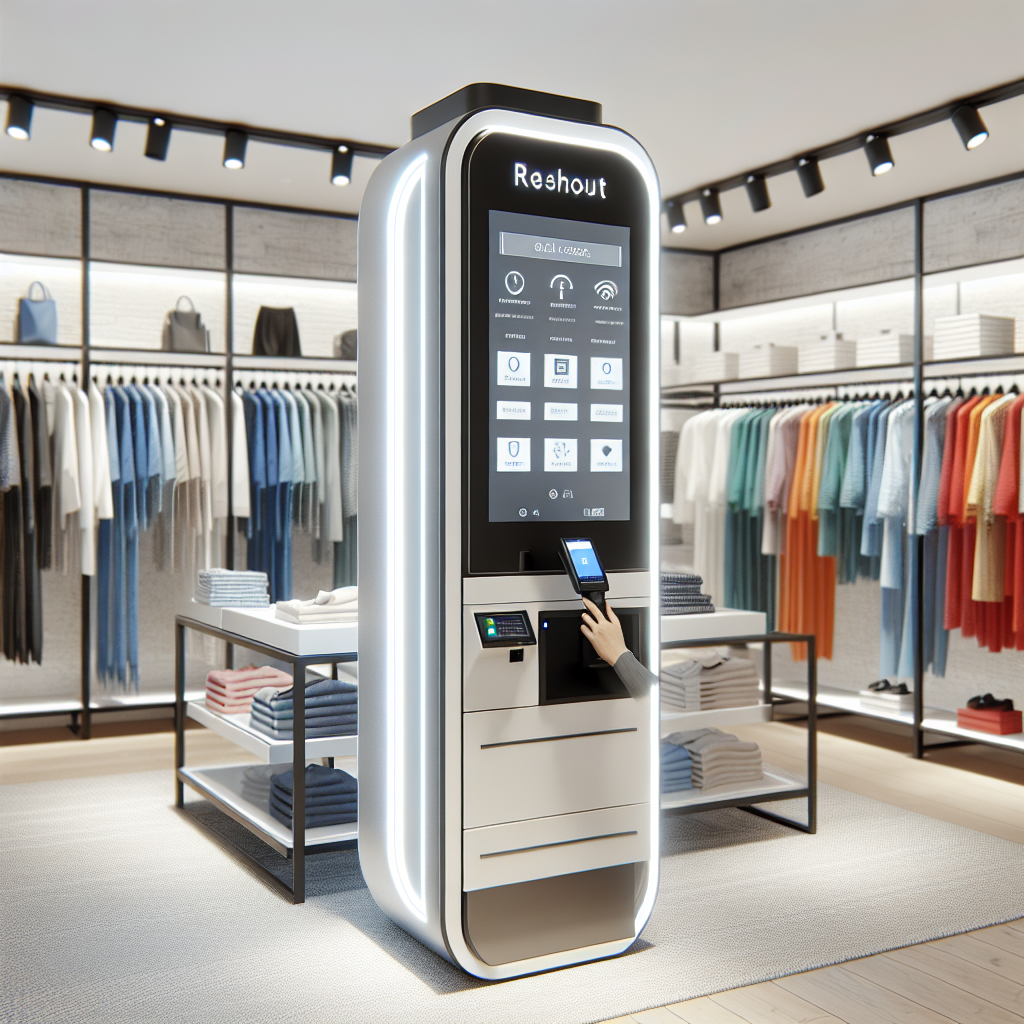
584,568
603,630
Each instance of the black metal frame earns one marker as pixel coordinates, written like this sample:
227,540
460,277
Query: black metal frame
300,663
675,396
81,717
808,792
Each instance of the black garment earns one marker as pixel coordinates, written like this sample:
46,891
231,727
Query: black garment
44,476
10,526
29,611
277,333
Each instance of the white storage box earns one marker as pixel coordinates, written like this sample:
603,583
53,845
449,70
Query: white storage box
972,335
768,361
715,366
830,352
885,350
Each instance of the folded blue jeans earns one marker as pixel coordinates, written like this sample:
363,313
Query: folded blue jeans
317,775
311,733
315,820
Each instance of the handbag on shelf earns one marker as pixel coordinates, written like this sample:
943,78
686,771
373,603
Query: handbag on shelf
37,318
184,330
345,345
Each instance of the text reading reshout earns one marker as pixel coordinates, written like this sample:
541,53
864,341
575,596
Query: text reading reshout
557,182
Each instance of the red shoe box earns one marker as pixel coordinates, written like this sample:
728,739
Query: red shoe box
1000,723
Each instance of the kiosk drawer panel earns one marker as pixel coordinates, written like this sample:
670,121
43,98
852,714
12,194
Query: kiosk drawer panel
534,762
545,847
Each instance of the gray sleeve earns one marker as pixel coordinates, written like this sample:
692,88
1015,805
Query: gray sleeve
637,679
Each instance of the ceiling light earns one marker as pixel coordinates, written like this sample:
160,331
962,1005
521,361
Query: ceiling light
104,124
341,166
969,124
880,160
757,192
234,150
158,138
19,117
710,206
676,217
810,175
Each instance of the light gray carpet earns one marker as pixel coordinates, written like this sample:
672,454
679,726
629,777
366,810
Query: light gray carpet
115,907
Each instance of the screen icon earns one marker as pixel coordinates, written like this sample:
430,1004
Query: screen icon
514,369
514,282
513,455
552,493
522,513
559,455
561,282
605,373
560,370
606,290
605,455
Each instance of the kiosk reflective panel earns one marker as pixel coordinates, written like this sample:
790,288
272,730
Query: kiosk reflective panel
508,365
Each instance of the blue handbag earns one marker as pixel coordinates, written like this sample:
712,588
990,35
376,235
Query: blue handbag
37,318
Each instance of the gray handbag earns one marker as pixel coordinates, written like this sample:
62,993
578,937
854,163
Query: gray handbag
184,330
37,318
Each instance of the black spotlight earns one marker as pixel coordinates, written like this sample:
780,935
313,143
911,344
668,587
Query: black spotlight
710,206
880,160
676,217
104,124
234,150
158,139
969,124
810,175
341,166
19,117
757,192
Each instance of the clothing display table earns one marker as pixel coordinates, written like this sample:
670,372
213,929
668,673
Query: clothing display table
301,646
715,631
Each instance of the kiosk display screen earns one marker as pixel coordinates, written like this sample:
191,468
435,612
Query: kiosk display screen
504,629
559,388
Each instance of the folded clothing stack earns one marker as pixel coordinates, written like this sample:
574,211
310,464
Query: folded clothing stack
230,691
256,784
719,758
331,709
330,796
328,606
987,714
886,349
972,335
768,360
708,678
830,352
716,366
680,594
676,768
888,696
226,588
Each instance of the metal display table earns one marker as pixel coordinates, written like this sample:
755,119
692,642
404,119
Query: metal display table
301,647
773,787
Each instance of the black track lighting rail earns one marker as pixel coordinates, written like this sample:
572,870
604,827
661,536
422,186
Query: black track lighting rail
854,142
186,122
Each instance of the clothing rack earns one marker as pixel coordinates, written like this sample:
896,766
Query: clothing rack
917,380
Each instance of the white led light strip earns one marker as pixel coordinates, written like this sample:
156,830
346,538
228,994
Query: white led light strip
398,564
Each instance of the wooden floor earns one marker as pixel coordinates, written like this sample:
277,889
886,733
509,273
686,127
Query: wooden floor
976,978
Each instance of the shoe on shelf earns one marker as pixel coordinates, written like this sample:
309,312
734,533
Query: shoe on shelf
900,689
989,703
880,685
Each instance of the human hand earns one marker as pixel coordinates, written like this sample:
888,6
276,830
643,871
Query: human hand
604,632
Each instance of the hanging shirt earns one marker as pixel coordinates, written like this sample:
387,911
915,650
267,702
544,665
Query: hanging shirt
218,452
240,497
990,550
102,494
86,482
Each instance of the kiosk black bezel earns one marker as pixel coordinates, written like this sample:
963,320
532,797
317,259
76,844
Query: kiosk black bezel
494,548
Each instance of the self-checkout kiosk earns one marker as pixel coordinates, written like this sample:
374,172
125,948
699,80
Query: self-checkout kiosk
508,376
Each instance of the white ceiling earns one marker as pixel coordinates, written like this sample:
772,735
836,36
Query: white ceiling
710,87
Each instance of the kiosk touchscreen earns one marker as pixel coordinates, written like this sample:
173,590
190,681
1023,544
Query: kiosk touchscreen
508,365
